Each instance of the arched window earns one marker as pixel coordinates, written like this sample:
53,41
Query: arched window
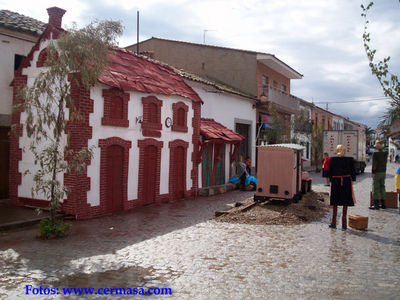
115,108
151,124
180,111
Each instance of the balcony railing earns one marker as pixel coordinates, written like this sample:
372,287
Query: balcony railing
286,100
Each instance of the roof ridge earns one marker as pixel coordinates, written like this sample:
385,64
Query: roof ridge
16,21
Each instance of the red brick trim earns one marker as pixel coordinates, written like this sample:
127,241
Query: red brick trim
20,81
104,144
35,202
151,128
111,96
142,144
196,106
175,109
172,176
42,58
151,133
79,132
55,15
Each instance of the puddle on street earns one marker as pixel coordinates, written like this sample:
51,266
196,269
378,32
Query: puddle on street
125,277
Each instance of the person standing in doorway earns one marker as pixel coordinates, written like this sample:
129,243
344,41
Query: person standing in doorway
325,168
379,161
342,174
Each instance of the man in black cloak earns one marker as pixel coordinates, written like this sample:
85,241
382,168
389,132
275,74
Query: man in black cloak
342,174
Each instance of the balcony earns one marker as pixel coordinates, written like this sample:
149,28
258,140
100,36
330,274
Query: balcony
284,101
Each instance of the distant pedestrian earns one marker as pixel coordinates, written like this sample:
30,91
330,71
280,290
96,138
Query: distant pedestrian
397,184
325,168
342,174
396,158
379,161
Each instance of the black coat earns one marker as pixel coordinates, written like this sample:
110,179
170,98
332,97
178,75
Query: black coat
342,173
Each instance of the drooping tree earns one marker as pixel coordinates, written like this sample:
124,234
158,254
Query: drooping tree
317,137
380,68
77,57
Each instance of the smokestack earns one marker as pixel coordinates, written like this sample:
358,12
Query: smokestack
55,15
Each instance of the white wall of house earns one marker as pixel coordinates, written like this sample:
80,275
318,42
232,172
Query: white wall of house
9,46
305,139
393,150
133,133
227,109
27,162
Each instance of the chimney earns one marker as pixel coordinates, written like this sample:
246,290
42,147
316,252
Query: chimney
55,15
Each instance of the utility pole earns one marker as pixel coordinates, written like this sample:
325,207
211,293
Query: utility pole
137,33
204,34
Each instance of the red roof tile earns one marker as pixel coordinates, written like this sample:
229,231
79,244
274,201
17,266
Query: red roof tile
131,72
213,130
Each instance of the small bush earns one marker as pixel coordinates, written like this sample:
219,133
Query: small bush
49,229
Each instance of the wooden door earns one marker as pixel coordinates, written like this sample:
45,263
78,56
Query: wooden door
243,149
115,159
220,168
207,165
150,173
179,173
4,161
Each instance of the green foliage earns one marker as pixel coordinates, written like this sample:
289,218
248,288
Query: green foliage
301,125
317,143
77,57
388,81
368,134
274,135
49,229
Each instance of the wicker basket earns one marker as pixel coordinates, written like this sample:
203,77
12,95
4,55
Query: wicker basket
358,222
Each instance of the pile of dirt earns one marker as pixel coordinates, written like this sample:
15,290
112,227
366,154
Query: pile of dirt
312,207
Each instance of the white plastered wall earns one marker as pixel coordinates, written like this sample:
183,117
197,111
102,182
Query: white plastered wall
134,133
226,108
9,46
27,161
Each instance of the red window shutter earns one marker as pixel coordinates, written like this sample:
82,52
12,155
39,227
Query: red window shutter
153,113
117,111
181,117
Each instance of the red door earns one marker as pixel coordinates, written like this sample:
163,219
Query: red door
150,173
179,173
115,158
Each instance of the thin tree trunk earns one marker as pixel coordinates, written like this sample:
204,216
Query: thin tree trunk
54,201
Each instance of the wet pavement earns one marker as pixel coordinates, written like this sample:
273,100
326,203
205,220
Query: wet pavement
13,216
179,246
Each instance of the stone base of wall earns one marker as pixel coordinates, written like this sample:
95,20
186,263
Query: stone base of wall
215,190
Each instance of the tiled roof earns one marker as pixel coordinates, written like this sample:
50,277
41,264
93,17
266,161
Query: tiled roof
289,146
131,72
15,21
218,86
213,130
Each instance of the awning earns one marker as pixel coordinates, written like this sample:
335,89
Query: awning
212,130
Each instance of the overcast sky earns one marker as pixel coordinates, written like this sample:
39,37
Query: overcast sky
321,39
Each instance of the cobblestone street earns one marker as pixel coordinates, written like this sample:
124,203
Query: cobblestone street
179,246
